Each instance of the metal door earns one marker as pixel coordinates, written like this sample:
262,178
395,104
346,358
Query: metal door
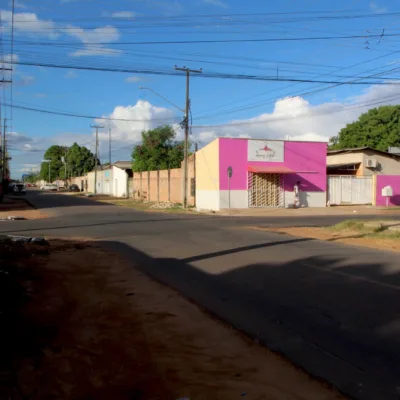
265,190
350,190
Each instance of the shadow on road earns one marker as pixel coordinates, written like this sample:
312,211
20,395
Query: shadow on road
43,199
340,323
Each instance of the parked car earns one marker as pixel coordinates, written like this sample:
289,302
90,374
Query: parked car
17,189
49,187
74,188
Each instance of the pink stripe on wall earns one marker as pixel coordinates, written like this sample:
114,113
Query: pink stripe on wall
388,180
300,156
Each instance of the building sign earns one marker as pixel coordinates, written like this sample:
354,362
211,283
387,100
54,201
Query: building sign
265,150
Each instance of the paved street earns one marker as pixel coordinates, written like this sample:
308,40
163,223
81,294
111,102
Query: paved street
332,309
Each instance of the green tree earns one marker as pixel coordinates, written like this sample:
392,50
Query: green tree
33,177
378,128
54,154
80,160
158,150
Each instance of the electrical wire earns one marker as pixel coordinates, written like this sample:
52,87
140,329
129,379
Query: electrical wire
204,74
253,121
263,40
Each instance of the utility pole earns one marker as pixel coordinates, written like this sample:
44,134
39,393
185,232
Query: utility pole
186,126
4,156
97,127
109,146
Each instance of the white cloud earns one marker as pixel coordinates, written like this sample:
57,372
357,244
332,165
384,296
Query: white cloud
5,63
40,95
134,79
71,75
18,4
295,118
105,34
376,8
25,80
95,50
217,3
30,167
143,115
89,37
123,14
29,23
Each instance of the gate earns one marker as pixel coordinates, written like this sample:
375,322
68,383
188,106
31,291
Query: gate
346,189
265,190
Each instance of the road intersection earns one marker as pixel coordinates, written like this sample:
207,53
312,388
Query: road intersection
331,309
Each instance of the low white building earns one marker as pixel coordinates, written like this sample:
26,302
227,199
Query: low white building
111,180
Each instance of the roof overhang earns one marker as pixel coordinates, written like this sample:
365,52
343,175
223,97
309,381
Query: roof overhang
346,165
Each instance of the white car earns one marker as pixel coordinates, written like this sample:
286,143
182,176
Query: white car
48,186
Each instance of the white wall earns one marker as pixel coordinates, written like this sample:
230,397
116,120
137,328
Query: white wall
119,182
239,199
207,200
307,199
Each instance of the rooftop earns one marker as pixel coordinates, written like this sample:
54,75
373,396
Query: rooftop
358,149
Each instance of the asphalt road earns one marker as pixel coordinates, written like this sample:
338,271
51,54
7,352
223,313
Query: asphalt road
332,309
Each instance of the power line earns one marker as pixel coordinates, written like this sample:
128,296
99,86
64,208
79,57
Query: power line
266,121
205,74
285,39
258,104
379,101
66,114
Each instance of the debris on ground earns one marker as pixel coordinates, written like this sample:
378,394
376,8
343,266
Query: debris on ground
166,204
81,337
18,209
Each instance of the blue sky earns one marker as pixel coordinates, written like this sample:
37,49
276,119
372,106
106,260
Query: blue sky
93,33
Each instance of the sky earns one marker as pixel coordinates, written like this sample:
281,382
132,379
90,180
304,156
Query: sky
295,70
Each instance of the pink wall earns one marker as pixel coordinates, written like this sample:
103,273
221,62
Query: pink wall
388,180
300,156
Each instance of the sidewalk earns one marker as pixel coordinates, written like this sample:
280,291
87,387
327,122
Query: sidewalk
18,207
311,211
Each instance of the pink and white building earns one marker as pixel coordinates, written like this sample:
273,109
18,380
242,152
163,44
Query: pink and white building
263,173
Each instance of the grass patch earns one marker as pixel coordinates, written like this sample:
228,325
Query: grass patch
350,224
374,230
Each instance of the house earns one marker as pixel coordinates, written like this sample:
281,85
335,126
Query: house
362,161
358,175
112,180
243,173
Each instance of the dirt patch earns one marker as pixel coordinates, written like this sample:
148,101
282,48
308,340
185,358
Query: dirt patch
95,328
347,236
18,208
150,206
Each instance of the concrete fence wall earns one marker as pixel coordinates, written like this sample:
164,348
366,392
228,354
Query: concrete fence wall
154,186
164,185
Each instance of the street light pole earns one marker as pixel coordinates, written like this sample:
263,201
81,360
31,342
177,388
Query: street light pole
161,97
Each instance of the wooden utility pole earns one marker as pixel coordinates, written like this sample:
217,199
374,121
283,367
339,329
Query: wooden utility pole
4,156
186,127
97,127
